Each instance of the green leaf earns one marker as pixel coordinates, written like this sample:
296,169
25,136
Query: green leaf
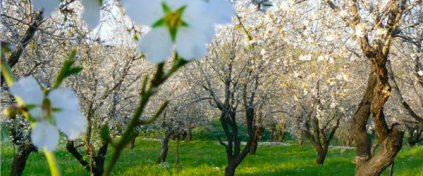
67,69
160,22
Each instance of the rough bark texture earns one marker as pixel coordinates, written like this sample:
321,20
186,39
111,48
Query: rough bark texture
377,94
19,161
320,137
258,130
378,88
164,147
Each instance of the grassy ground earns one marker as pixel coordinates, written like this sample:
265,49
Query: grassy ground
208,158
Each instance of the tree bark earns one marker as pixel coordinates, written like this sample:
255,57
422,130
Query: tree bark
100,159
257,135
254,144
230,169
321,156
19,161
390,139
389,149
70,146
164,147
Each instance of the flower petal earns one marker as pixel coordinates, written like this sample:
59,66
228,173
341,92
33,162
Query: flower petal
156,45
191,43
197,15
69,118
45,135
28,90
91,13
64,98
145,12
72,123
48,6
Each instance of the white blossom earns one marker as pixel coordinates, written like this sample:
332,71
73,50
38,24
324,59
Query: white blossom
58,109
305,57
360,30
182,25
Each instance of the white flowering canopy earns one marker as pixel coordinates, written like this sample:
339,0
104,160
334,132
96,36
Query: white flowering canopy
186,26
58,110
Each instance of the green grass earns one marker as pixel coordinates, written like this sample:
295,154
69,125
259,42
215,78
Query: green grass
208,158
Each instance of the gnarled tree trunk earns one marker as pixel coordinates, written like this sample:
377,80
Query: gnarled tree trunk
164,147
377,93
19,161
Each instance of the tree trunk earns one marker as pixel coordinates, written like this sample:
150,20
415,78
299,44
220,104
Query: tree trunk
281,132
100,159
164,147
321,156
389,149
360,118
256,137
230,169
19,161
189,135
390,139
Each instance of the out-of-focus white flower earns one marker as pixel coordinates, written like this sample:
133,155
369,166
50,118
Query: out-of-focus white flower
340,76
58,109
420,72
343,13
332,105
360,30
263,52
91,13
305,57
331,61
182,25
330,38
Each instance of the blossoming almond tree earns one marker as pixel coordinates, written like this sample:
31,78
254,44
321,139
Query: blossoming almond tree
366,20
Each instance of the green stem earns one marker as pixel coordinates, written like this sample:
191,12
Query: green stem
10,79
159,78
52,163
8,75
